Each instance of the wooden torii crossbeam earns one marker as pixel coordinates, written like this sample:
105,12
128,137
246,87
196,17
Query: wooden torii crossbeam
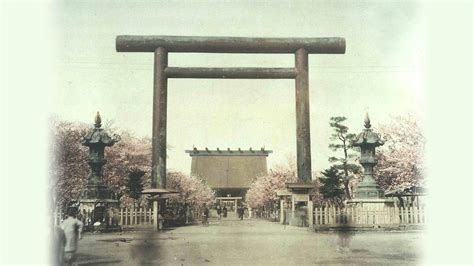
162,45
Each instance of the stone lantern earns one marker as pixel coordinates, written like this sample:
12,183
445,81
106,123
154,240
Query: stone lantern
97,202
368,191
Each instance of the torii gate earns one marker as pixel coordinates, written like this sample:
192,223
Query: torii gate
162,45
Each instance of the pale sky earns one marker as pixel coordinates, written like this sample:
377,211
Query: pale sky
381,71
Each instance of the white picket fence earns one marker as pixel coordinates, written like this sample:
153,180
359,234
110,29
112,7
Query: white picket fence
141,216
124,217
356,215
58,216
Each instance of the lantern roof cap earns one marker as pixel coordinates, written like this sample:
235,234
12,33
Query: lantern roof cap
97,135
367,136
98,120
366,120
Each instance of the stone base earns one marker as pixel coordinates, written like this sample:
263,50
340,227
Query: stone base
371,203
106,228
104,211
89,204
368,191
96,191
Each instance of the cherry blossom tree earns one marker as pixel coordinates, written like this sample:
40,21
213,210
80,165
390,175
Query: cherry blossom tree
193,191
128,156
263,190
132,155
401,159
69,169
68,162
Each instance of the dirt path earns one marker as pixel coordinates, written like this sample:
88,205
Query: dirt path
250,242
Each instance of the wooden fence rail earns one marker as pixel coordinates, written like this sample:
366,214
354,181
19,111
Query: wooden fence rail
123,217
137,216
57,217
356,215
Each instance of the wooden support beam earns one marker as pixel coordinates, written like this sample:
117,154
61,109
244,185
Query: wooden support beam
230,73
199,44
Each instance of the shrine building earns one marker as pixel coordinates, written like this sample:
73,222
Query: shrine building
229,172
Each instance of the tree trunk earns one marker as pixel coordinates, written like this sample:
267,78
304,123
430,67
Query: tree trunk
346,189
346,181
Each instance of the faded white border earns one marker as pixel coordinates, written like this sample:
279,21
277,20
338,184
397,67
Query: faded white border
449,131
28,52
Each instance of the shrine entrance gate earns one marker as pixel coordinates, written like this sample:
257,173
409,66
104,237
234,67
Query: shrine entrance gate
162,45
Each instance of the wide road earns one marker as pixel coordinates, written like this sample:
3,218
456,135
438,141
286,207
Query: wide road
249,242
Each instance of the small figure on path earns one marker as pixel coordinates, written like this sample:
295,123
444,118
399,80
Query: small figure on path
188,214
224,212
160,222
302,212
240,212
343,245
284,220
59,241
205,215
219,211
72,229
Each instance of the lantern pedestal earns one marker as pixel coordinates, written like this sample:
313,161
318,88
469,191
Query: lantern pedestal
98,208
368,188
104,211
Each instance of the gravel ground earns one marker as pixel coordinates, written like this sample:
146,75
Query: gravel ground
249,242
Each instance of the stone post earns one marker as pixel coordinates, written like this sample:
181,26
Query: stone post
282,211
310,213
155,215
293,208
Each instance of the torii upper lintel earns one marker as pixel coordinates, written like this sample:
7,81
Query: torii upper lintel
199,44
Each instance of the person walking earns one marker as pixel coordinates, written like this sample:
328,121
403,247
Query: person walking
188,214
59,241
219,211
240,211
302,212
205,215
161,221
224,212
72,228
